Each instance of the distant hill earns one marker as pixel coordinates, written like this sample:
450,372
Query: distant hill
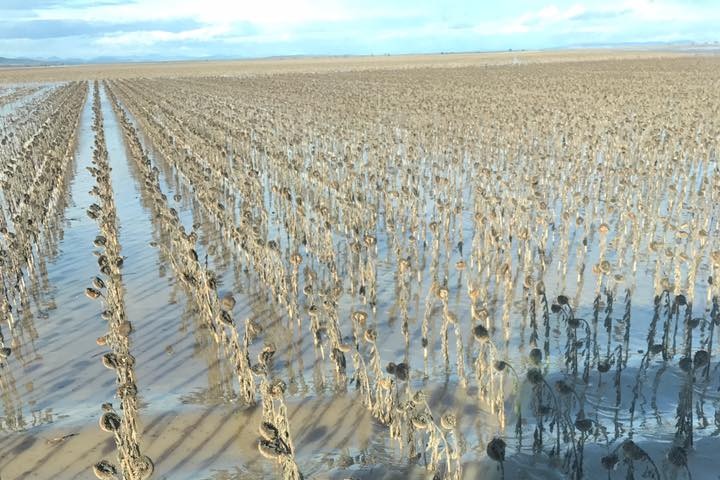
685,45
25,62
55,61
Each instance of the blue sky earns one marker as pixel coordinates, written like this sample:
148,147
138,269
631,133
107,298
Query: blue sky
257,28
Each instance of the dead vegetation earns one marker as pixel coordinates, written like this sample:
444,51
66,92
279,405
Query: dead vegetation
542,237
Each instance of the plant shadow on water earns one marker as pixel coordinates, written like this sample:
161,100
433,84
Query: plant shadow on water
331,287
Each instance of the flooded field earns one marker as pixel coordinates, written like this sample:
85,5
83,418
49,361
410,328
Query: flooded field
443,268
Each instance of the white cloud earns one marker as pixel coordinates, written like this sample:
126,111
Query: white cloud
315,26
264,12
613,16
152,37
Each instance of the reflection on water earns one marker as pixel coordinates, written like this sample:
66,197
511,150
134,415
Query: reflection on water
602,270
33,228
391,281
18,102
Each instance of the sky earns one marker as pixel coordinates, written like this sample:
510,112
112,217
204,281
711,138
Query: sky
173,29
